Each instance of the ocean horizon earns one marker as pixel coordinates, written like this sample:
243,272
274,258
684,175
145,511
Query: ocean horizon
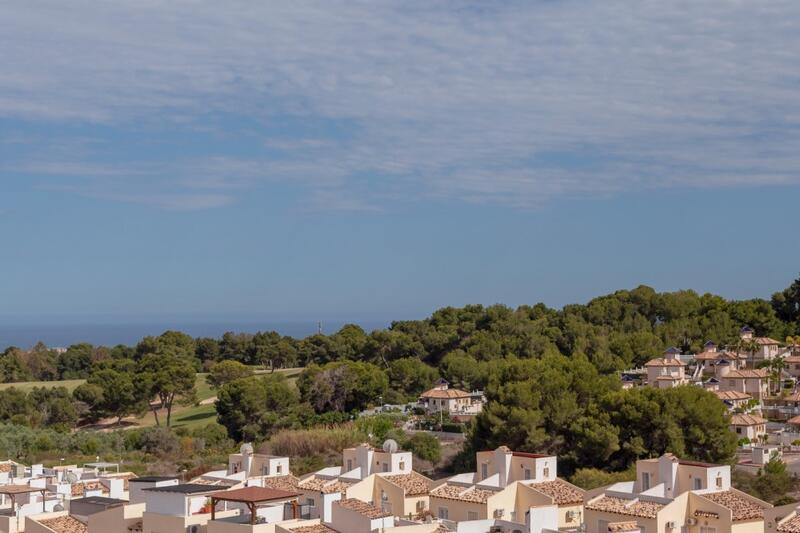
63,335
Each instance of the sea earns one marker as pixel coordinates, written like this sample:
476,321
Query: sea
63,335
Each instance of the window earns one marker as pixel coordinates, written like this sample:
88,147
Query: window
645,480
443,514
719,481
402,465
738,431
420,506
698,483
527,473
484,471
349,465
385,467
279,469
384,496
546,471
310,502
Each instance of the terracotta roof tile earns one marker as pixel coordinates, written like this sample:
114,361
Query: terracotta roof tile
65,524
618,527
635,507
660,361
732,395
325,486
287,482
413,484
747,420
464,494
790,526
741,507
362,508
562,492
319,528
445,394
748,373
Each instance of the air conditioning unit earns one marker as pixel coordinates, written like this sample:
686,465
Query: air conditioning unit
691,521
671,525
571,515
498,513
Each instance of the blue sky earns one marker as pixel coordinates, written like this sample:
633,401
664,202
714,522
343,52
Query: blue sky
376,160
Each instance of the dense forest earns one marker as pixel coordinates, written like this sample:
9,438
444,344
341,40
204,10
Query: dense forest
550,375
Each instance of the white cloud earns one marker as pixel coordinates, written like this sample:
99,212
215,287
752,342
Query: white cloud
509,102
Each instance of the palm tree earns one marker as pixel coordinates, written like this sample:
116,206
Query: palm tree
777,366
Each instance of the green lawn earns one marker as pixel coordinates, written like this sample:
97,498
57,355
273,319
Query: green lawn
199,415
70,384
188,416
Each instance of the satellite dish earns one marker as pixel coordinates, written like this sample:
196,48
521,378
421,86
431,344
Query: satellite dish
390,446
246,449
71,477
58,507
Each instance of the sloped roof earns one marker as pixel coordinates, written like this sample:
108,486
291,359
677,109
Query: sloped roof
318,528
362,508
287,482
413,484
65,524
741,507
732,395
748,373
619,527
661,361
445,394
323,485
562,492
792,525
469,494
635,507
747,420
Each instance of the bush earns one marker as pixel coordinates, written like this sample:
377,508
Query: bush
590,478
159,441
317,441
425,446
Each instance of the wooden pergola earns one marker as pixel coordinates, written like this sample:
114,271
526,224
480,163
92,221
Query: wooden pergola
253,497
12,491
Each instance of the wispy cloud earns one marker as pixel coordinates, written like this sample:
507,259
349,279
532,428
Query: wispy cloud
505,102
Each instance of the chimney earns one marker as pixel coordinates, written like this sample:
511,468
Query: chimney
502,462
364,459
668,473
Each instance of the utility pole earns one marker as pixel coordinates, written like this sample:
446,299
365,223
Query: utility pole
319,328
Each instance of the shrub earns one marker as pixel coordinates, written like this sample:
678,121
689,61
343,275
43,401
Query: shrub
425,446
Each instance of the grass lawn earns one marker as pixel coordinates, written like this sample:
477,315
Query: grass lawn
189,416
70,384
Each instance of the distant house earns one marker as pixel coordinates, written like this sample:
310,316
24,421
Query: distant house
768,348
751,427
734,399
666,372
453,401
671,495
752,381
710,357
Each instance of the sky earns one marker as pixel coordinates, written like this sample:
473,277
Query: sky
376,160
